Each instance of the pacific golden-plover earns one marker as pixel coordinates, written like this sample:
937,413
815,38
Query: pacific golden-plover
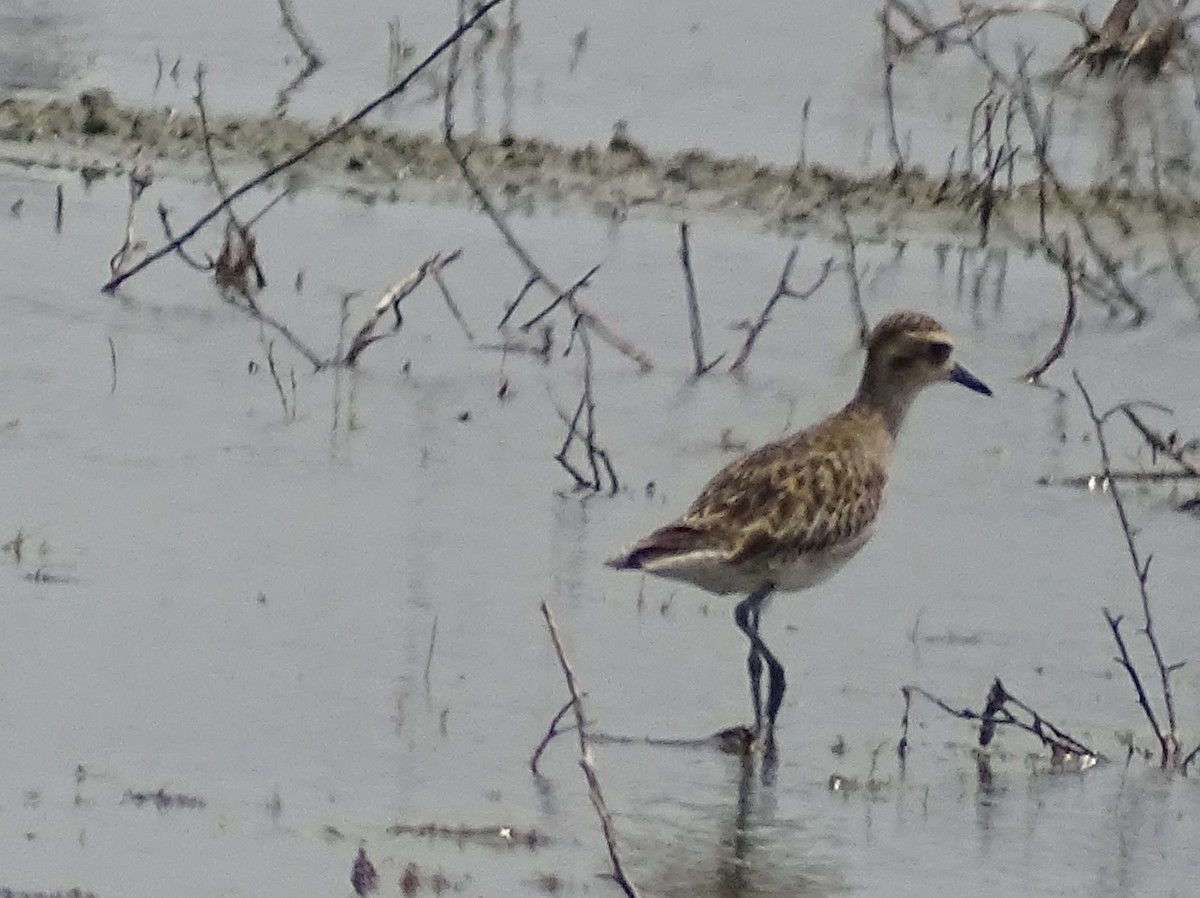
788,515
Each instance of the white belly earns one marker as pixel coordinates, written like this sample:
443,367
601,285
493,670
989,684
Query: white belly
712,571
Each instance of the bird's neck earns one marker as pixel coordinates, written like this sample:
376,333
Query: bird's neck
887,406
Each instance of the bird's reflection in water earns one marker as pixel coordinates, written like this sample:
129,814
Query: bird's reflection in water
749,855
733,866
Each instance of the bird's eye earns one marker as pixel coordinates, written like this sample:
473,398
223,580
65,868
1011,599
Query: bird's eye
939,352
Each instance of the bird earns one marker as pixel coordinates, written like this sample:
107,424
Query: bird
788,515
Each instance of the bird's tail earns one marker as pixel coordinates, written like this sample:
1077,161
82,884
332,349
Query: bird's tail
673,539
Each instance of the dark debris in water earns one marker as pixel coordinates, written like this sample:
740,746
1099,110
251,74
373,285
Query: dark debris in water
410,881
413,882
54,893
363,876
497,836
550,883
44,575
163,801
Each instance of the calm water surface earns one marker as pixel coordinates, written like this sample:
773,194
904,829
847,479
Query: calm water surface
226,604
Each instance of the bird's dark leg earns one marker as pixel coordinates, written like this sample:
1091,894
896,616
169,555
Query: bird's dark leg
747,620
776,688
747,615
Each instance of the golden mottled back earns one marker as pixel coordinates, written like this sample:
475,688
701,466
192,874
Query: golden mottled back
806,495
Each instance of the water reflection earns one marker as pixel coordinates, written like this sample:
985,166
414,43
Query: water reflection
31,49
733,864
735,848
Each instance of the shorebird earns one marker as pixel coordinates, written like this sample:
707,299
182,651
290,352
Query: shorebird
789,514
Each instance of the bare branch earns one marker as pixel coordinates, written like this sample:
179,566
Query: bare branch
390,301
1168,739
598,459
1100,480
889,94
429,655
578,310
551,732
1114,624
782,289
289,409
1160,445
1187,762
585,760
163,217
693,306
851,267
313,59
996,714
1034,374
565,296
512,306
122,260
417,71
286,332
233,273
436,273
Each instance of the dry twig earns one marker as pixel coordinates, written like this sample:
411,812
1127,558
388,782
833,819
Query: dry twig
585,760
700,367
1168,737
164,218
436,273
579,313
551,732
996,713
1034,374
451,40
429,656
851,267
1160,445
1100,480
511,308
599,464
390,301
238,256
889,94
782,288
123,259
584,322
566,296
1039,123
972,20
313,59
289,408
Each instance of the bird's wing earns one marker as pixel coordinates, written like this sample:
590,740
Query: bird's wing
788,498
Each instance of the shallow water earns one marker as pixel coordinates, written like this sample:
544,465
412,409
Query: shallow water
780,81
226,604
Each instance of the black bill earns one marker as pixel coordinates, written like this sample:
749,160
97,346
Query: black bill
961,375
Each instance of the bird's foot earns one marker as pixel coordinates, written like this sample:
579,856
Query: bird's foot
744,741
739,740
